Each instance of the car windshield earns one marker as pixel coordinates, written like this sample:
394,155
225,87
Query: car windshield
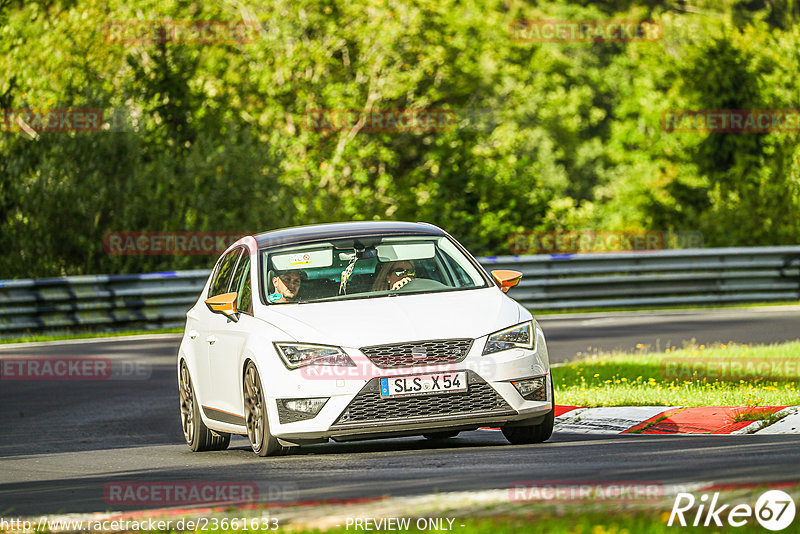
366,267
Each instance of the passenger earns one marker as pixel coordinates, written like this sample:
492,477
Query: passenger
287,286
394,275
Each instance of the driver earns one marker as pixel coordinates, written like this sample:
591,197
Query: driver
287,286
394,275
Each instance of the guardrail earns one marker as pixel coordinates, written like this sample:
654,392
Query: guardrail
106,303
551,281
655,278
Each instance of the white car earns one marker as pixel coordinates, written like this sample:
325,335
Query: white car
359,330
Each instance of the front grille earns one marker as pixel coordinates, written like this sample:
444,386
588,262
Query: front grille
368,407
418,353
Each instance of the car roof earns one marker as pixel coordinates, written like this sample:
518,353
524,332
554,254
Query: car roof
302,234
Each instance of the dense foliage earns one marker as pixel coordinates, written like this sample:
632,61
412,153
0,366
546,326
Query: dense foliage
214,136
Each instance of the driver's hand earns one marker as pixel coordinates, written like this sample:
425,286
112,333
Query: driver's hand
400,283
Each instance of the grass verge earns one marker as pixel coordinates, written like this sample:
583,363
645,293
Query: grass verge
720,375
501,511
592,523
86,335
604,309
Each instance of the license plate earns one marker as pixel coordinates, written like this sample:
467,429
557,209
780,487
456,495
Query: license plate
424,384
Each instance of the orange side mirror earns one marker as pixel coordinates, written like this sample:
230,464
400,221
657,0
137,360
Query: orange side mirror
506,279
224,304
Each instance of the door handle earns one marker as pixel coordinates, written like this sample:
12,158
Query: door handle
211,339
192,334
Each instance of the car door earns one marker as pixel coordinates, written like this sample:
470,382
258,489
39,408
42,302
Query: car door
225,350
207,327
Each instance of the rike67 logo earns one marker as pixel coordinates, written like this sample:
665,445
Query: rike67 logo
774,510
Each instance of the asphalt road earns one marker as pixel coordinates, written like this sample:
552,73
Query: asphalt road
62,442
570,335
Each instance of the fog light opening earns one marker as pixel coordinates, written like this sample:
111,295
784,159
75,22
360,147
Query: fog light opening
532,388
306,406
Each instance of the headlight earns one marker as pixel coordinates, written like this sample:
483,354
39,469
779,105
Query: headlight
296,355
521,335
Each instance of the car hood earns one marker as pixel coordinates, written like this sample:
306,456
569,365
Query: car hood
376,321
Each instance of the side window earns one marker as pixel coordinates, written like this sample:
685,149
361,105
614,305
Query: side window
246,296
463,279
241,284
429,268
224,273
460,277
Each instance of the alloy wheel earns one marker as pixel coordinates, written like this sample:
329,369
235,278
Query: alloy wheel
253,407
187,404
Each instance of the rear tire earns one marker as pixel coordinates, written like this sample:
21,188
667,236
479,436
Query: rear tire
446,434
521,435
262,442
198,436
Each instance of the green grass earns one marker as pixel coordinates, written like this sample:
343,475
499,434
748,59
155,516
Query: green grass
583,523
756,414
564,311
536,516
86,335
592,523
689,376
462,513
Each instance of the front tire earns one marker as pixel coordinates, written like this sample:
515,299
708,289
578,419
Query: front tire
521,435
262,442
198,436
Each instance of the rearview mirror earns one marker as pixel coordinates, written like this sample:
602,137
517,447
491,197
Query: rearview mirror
367,253
506,279
224,304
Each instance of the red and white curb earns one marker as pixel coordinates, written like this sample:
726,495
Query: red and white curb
790,424
678,420
721,420
605,420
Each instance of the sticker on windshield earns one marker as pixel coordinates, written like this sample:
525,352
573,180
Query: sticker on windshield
300,259
309,259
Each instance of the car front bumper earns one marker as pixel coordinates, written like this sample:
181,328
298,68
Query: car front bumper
355,409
